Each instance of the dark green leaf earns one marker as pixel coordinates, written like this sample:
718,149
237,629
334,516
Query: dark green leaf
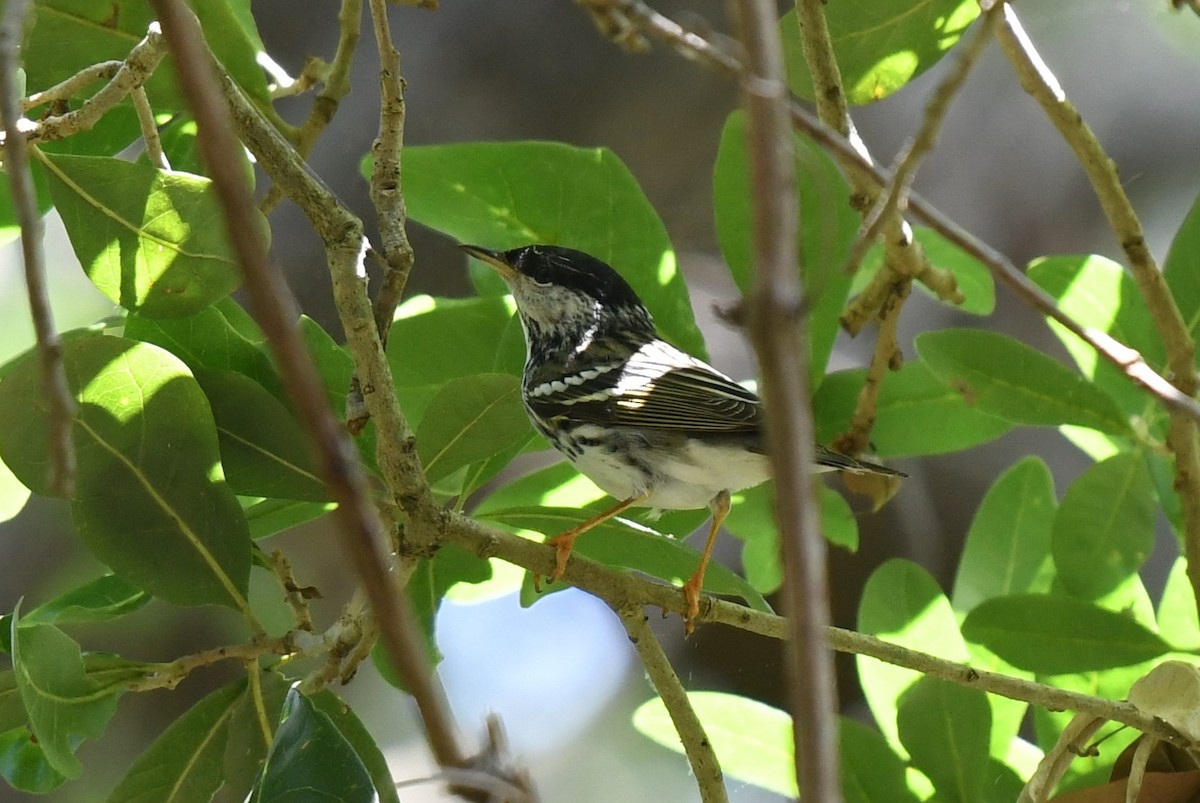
1180,269
477,417
360,739
752,740
334,365
1100,294
880,46
263,450
252,724
871,771
1006,378
63,703
903,604
827,228
151,240
24,765
916,414
185,763
507,194
1008,546
1104,530
945,729
270,516
1056,634
620,542
310,760
973,279
150,500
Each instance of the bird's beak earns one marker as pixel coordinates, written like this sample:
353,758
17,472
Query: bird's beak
493,259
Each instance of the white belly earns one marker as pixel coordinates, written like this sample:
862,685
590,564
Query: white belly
685,481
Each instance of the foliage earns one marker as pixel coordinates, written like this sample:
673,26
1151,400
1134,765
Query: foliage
191,454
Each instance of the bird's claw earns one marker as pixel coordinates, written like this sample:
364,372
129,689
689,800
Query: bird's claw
691,595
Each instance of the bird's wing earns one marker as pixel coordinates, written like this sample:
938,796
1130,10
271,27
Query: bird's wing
658,387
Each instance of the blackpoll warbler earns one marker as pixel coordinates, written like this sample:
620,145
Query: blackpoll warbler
650,425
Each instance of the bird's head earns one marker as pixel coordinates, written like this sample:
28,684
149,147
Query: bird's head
565,296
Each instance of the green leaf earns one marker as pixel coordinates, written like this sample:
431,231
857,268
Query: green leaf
1006,378
269,516
827,226
1180,269
13,495
1177,621
557,485
185,763
263,450
1056,634
620,542
903,604
752,519
360,739
1104,530
427,588
64,705
252,724
871,771
477,417
973,279
106,598
879,46
151,240
150,499
507,194
752,740
916,413
24,765
310,759
73,34
426,329
945,729
1099,294
1008,546
334,365
215,337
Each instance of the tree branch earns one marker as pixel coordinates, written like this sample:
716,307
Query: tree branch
361,529
1040,83
696,745
777,329
55,390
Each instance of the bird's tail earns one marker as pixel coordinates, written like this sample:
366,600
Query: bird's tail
831,460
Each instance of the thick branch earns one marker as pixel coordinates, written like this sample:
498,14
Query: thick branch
362,531
696,745
56,392
777,329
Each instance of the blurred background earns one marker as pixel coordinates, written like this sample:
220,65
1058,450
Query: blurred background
561,674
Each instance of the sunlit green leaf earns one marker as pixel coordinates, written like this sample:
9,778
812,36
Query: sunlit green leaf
945,729
1056,634
1004,377
880,46
269,516
903,604
1177,621
151,240
150,500
507,194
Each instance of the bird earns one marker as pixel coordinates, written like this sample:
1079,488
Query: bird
649,424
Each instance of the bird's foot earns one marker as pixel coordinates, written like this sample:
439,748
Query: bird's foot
563,544
691,595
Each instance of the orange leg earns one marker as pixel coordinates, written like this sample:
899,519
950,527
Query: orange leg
692,588
564,542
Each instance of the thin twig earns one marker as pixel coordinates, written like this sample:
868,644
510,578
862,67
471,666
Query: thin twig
1054,764
776,326
696,745
336,80
887,355
137,68
294,594
362,532
386,192
1037,79
145,114
55,390
695,47
64,91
